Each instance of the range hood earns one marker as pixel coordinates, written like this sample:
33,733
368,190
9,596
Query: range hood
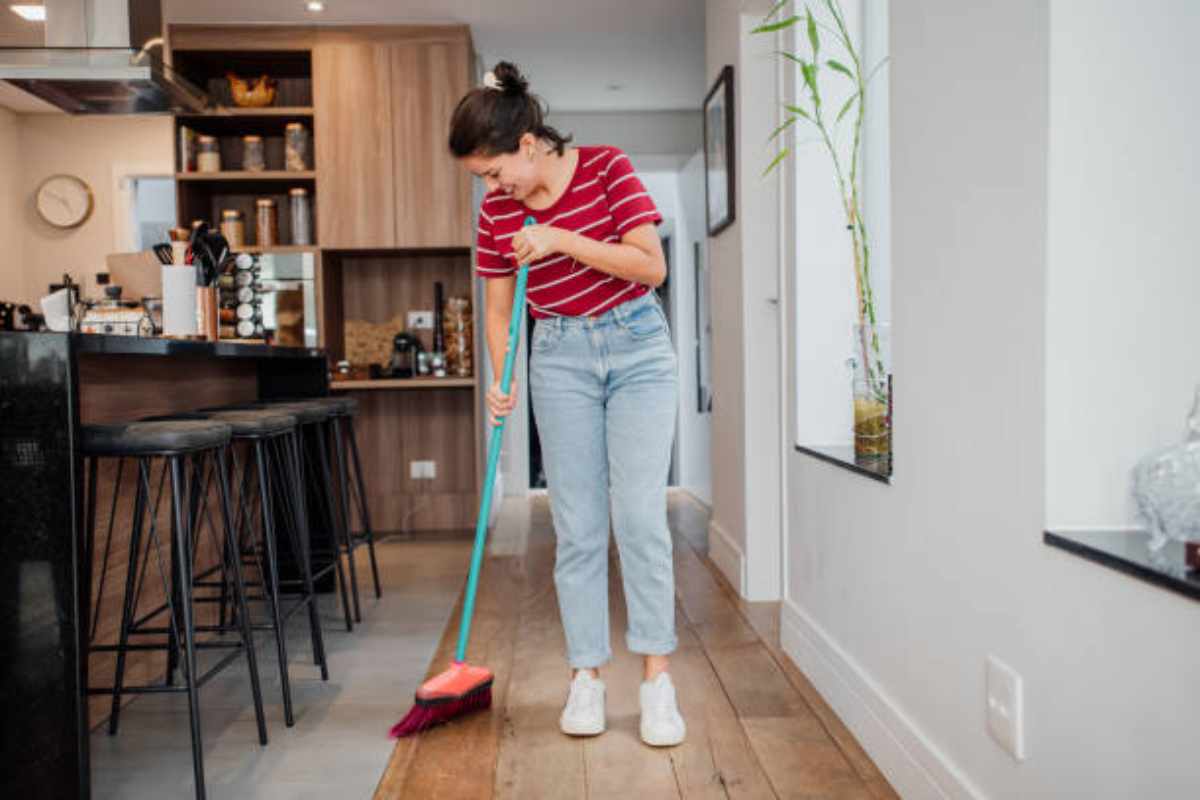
100,57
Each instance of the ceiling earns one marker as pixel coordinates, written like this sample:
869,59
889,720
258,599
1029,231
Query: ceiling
572,51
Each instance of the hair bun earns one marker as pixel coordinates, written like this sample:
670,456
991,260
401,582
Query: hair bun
511,81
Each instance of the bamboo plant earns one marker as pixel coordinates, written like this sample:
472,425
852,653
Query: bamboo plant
816,115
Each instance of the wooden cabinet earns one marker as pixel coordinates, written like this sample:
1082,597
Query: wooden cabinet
383,112
432,190
353,142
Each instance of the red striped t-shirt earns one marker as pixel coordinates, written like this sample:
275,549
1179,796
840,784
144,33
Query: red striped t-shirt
604,200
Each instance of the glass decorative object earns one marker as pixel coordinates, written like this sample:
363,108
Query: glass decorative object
1166,487
871,388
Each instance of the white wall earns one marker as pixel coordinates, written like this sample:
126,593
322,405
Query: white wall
744,533
641,132
100,150
12,276
1123,275
695,427
897,594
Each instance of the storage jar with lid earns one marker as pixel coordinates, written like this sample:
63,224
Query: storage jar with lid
297,147
266,226
233,228
301,216
208,154
254,155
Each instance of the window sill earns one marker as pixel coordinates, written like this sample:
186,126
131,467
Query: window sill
844,457
1128,551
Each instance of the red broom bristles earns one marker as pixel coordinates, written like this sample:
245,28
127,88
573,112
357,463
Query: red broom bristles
425,715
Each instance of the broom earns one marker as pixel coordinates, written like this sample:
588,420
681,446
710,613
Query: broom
463,688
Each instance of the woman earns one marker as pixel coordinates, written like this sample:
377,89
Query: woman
602,376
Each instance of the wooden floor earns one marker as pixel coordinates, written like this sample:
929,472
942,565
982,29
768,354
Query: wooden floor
756,726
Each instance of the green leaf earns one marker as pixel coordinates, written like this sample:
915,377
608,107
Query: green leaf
775,161
810,76
776,26
840,67
813,38
775,10
798,111
790,56
781,128
847,106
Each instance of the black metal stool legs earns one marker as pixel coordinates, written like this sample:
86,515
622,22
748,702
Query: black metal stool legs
240,594
344,507
130,597
361,494
288,466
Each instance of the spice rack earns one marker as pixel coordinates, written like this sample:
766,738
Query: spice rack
209,194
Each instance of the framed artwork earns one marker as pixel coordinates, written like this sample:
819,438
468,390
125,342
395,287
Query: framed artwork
719,153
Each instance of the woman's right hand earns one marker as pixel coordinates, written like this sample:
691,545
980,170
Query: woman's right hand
500,405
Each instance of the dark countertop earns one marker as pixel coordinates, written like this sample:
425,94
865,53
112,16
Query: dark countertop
133,345
1128,551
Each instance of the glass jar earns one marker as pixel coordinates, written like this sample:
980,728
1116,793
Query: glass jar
233,228
301,216
254,154
458,331
208,154
297,145
266,222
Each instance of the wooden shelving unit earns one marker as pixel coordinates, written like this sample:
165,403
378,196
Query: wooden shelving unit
397,218
262,175
401,384
266,111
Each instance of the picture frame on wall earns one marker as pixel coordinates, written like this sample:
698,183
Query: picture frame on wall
719,153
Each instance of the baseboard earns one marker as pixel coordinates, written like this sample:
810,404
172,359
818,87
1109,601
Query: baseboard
728,557
914,766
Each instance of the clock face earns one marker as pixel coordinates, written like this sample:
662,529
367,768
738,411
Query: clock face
64,201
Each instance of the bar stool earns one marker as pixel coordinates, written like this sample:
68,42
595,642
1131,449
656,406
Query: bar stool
311,452
345,451
175,442
271,464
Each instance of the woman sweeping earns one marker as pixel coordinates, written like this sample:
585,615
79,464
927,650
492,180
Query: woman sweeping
602,376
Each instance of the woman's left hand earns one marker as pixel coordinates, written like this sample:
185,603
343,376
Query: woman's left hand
534,242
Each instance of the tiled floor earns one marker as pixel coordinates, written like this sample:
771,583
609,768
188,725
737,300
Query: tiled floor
339,747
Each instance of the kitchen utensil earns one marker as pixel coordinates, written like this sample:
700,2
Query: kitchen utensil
163,252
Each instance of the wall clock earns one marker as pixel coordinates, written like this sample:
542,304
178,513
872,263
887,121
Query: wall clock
65,201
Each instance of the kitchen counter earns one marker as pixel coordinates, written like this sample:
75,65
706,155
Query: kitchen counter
50,385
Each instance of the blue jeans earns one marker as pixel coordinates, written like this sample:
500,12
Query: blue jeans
604,393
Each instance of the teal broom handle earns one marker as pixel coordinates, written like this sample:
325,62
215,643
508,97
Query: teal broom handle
489,481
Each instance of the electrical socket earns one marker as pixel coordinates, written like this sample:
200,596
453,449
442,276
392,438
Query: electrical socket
1006,707
422,470
420,320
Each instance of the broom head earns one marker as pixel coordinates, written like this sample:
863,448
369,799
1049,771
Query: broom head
449,694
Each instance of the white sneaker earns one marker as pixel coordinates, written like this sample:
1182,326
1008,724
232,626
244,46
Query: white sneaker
584,713
662,725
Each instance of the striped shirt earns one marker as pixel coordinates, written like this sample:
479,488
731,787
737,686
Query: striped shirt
604,200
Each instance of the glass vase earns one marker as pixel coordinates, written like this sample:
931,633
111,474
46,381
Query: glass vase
871,390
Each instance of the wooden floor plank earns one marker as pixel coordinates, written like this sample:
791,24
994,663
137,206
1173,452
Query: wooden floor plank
619,765
535,760
756,727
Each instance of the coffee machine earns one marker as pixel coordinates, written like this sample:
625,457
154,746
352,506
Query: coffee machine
406,350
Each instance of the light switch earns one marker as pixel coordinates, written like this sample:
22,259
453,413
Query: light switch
1006,707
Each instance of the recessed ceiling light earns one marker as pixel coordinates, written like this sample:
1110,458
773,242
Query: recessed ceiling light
615,87
315,6
31,13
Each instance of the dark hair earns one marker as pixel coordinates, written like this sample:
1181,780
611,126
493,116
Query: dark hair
492,121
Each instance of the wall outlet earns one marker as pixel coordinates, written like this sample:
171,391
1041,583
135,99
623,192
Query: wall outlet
420,320
422,470
1006,707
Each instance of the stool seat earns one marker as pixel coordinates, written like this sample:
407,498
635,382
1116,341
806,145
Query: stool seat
306,412
346,406
255,422
154,438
